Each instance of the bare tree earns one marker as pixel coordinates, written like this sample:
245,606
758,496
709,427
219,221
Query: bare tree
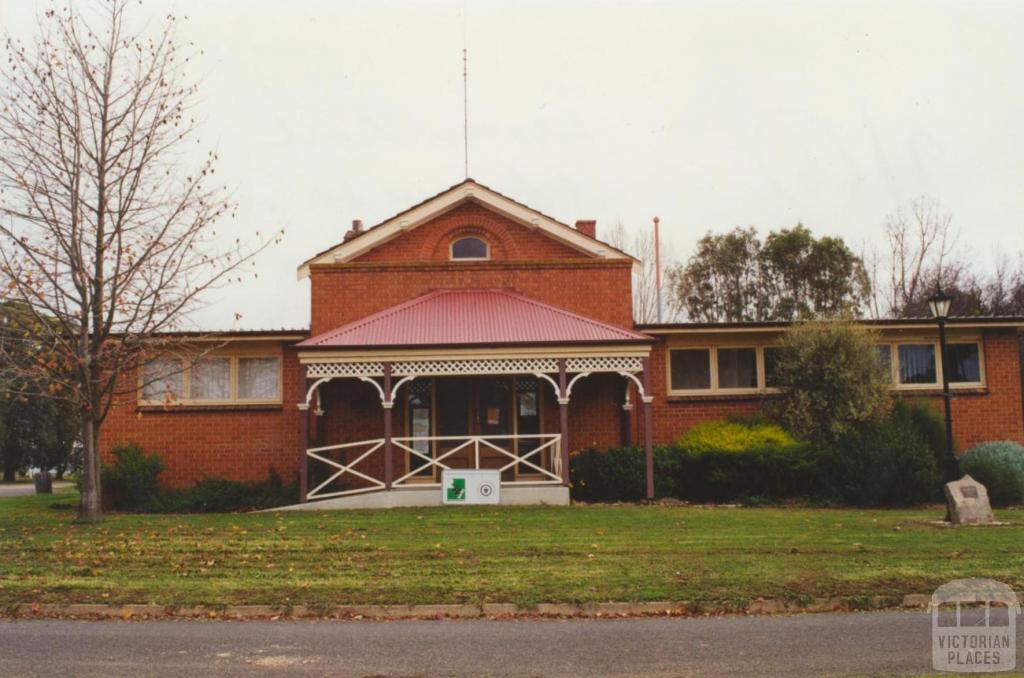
1003,293
645,291
921,252
101,236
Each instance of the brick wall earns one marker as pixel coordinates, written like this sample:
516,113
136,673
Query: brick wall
234,443
524,260
993,413
508,240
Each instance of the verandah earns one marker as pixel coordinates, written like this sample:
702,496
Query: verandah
521,457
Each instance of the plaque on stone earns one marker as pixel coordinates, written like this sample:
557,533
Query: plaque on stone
967,501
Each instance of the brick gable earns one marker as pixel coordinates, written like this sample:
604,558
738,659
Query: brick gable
508,240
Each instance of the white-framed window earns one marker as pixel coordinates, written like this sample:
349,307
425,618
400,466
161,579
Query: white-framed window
212,380
163,381
470,248
697,370
917,364
912,365
964,363
258,378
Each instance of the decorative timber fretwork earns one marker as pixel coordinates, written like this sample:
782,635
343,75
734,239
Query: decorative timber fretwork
406,370
470,366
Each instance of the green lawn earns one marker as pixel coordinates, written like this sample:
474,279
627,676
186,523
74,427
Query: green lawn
523,555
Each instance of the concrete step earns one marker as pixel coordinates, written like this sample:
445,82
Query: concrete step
511,495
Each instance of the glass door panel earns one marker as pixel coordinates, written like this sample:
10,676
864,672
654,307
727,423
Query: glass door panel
527,413
421,425
452,401
494,418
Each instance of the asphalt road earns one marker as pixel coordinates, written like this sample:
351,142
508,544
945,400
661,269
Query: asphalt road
21,489
884,643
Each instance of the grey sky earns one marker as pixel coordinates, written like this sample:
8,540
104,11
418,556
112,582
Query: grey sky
707,114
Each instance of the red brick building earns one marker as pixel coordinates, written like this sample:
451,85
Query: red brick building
471,331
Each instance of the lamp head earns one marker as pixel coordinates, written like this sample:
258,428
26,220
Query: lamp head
939,304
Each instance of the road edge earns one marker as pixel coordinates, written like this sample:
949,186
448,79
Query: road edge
760,606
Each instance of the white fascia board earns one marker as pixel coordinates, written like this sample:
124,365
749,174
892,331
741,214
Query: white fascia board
446,201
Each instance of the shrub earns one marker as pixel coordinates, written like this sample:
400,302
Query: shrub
734,436
887,464
929,424
832,382
131,481
132,484
759,473
217,495
732,459
620,474
999,466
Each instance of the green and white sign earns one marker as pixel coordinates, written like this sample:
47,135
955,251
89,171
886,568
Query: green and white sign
470,486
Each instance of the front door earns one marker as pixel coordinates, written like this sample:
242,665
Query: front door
458,407
453,398
494,418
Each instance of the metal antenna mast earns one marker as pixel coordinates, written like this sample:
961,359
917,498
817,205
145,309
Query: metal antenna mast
465,103
465,94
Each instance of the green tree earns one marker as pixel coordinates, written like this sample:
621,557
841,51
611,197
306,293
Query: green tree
805,277
832,380
722,280
37,427
790,276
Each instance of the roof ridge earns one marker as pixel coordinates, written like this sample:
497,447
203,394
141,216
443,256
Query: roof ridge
471,302
571,314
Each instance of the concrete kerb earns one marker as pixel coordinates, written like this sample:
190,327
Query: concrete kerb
761,606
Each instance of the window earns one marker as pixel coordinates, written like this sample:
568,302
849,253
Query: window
163,380
917,364
964,363
691,369
914,365
737,368
212,380
470,248
713,369
257,379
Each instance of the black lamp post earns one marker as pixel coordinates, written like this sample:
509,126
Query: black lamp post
939,304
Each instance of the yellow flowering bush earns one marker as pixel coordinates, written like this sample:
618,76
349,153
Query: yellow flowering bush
734,436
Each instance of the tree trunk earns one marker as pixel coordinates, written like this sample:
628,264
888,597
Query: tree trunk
9,475
90,510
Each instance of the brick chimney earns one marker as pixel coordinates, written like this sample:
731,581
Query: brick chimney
587,227
357,228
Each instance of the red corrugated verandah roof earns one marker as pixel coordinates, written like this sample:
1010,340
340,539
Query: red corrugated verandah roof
473,317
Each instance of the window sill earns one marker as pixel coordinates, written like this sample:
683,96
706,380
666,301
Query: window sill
937,392
721,397
226,407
